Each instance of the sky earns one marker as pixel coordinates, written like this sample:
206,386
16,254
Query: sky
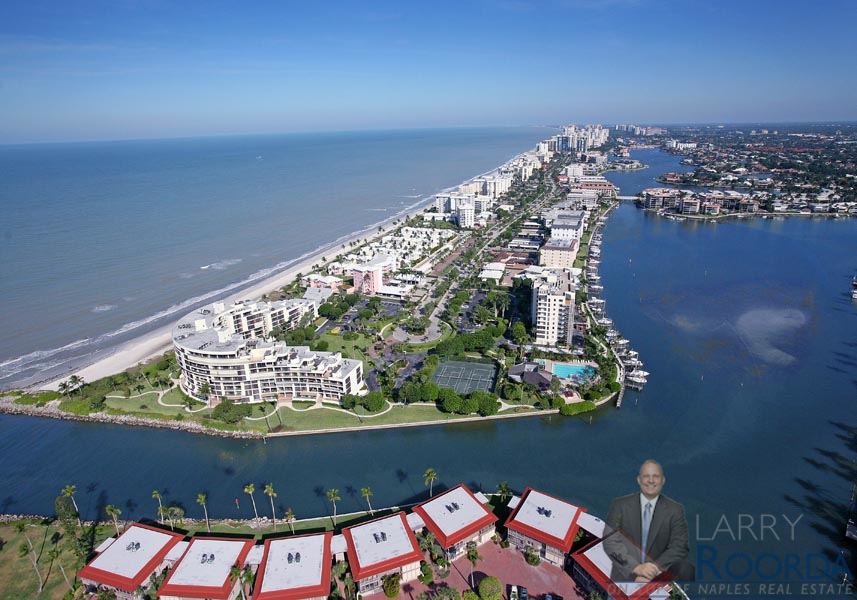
117,69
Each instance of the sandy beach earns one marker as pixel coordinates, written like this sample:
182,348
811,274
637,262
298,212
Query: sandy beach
159,341
155,343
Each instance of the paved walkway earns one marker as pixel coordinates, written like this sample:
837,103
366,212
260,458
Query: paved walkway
508,565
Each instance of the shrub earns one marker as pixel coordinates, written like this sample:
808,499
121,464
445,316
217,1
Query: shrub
504,543
349,401
532,558
426,574
322,345
490,588
469,595
373,401
230,412
391,585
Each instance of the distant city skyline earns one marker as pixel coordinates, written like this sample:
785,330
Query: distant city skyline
104,70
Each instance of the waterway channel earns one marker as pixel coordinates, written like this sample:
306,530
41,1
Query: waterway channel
746,326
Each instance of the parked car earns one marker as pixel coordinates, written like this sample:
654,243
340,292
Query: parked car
513,592
522,593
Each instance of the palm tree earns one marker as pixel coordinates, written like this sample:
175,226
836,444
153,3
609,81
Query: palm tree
113,512
429,477
176,513
68,491
473,557
334,497
201,499
271,494
367,493
156,494
250,489
164,515
235,575
54,554
504,491
290,518
22,552
63,388
21,527
76,382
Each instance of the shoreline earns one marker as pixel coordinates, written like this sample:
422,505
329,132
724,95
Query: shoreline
154,343
9,407
755,215
149,345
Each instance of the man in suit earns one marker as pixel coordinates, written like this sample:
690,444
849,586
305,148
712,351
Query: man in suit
654,532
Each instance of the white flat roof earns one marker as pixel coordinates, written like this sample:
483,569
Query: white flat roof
338,544
104,545
304,569
592,524
546,513
415,521
381,540
193,570
129,554
254,557
513,502
177,551
454,510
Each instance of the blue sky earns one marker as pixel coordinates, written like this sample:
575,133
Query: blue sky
135,68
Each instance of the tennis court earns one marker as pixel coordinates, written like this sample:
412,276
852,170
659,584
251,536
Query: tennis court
465,377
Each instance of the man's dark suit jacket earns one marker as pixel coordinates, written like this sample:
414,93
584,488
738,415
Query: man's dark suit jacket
667,545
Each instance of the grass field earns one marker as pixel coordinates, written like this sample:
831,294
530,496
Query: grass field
355,349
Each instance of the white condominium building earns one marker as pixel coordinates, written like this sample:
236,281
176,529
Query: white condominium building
553,307
224,351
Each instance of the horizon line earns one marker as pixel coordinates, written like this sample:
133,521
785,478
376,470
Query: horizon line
606,124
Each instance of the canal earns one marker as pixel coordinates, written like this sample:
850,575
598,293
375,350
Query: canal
746,326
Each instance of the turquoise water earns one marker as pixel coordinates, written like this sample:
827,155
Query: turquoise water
102,242
567,371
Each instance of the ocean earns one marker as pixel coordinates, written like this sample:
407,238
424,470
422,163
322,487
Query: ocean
102,242
746,327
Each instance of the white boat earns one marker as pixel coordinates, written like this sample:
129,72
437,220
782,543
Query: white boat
622,342
633,353
633,362
606,322
639,373
640,380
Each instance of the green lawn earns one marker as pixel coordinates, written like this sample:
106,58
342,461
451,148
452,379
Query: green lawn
355,348
39,398
326,418
144,404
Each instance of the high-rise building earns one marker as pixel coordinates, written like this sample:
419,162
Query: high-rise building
553,307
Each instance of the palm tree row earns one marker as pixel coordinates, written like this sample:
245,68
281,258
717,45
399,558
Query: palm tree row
174,513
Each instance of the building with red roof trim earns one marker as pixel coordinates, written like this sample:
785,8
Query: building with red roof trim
380,547
204,569
295,568
543,524
130,560
594,571
457,517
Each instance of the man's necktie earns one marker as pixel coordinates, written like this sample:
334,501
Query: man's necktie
647,520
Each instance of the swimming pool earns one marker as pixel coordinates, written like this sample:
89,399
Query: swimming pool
577,372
